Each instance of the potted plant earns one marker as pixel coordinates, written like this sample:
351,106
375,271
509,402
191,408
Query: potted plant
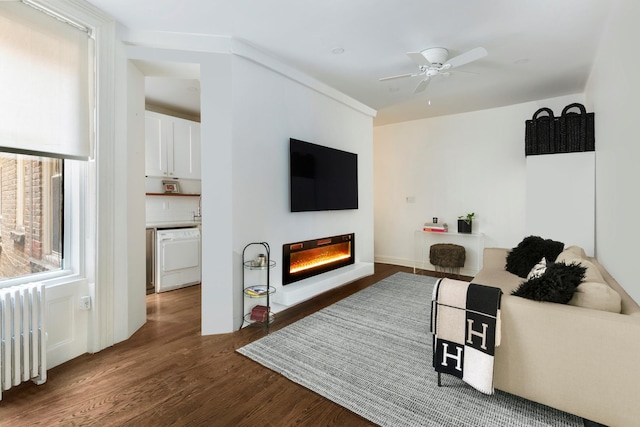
465,222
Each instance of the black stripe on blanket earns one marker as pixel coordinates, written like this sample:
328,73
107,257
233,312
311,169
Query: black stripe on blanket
483,303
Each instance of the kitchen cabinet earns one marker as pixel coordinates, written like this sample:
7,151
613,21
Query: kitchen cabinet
172,147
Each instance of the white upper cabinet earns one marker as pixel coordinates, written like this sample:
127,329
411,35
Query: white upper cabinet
155,155
172,147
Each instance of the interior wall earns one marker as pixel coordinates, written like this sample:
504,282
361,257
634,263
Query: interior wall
216,137
612,93
134,215
268,109
449,166
566,216
119,297
218,222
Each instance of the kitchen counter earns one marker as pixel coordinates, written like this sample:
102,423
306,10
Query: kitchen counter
173,224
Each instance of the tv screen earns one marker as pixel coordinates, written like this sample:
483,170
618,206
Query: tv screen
322,178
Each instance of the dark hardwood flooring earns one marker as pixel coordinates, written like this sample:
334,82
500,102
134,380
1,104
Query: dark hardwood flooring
168,374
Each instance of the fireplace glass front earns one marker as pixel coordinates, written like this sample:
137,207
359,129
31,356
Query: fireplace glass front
302,260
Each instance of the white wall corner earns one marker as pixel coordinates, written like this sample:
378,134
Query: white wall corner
251,53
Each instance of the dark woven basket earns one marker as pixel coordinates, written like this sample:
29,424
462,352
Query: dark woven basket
540,133
577,131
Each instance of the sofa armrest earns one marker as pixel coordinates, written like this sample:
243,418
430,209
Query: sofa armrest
578,360
495,258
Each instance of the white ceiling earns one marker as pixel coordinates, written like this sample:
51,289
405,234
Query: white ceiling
536,49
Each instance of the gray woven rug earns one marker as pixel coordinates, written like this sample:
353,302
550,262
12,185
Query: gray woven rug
371,353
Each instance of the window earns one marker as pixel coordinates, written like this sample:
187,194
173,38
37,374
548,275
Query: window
46,130
31,212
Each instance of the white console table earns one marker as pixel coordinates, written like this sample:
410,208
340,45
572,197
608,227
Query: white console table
472,242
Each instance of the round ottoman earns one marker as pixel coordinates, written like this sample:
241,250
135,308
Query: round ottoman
447,257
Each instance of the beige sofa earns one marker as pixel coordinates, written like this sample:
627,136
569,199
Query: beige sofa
580,360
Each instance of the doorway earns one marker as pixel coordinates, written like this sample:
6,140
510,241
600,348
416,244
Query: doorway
171,90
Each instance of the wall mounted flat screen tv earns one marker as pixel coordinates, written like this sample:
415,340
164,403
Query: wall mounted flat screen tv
322,178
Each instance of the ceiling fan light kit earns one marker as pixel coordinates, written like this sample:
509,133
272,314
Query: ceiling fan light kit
433,62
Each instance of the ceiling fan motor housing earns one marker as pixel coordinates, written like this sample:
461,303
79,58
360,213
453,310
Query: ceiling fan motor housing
436,55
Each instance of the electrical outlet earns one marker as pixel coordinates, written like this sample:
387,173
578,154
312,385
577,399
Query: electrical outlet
85,303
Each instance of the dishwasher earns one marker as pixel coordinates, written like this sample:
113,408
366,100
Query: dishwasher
177,258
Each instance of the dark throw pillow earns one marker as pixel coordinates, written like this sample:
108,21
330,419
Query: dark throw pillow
557,284
529,252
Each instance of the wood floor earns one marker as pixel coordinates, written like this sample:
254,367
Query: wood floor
168,374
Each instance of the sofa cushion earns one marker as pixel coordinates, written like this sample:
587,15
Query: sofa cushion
557,284
528,253
594,292
576,250
592,274
598,296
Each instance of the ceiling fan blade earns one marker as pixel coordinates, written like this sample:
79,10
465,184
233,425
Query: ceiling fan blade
400,76
465,58
419,58
422,86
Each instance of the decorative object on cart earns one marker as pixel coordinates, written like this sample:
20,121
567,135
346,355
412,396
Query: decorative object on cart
170,186
465,222
572,132
259,314
260,261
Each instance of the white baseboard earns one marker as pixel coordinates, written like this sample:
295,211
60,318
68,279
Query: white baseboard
427,266
394,261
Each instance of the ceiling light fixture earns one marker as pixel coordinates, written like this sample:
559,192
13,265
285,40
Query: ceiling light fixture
337,50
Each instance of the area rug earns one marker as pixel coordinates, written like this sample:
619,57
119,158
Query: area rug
371,353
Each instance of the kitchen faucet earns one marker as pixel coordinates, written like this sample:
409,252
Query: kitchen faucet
197,215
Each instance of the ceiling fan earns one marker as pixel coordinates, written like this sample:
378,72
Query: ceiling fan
433,62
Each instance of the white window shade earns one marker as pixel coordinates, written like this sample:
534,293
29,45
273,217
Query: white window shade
46,79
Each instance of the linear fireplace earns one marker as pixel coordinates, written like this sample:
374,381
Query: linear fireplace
301,260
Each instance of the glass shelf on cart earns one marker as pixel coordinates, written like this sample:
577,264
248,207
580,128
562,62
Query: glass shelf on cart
254,265
247,318
259,291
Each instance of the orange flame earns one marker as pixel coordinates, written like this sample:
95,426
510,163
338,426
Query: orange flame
311,258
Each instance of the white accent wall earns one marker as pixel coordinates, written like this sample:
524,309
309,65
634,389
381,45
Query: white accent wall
613,92
269,108
449,166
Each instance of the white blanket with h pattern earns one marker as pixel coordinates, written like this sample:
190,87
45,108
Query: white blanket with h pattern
465,323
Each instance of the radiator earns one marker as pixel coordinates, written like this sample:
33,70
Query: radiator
23,337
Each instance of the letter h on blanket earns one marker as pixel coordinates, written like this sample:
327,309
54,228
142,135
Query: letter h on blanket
465,323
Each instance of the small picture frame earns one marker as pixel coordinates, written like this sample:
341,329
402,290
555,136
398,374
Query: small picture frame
170,186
